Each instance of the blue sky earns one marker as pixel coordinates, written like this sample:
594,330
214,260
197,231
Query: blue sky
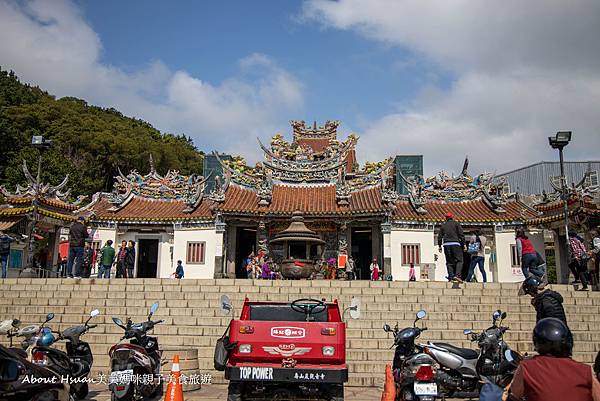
341,70
440,78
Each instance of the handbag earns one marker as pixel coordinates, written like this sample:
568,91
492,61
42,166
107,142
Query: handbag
223,348
474,247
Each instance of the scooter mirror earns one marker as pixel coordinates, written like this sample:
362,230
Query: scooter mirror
94,313
496,315
225,305
49,316
117,321
466,332
503,316
387,328
10,370
421,314
153,308
355,308
16,323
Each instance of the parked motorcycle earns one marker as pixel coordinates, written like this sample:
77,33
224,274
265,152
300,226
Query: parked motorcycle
76,363
414,371
463,371
21,380
32,335
135,367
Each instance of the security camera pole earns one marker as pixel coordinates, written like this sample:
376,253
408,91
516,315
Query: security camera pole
559,141
38,142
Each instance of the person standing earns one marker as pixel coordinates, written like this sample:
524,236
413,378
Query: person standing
87,260
452,238
130,258
5,241
578,256
107,259
77,236
121,269
374,268
526,252
477,251
350,268
411,273
595,253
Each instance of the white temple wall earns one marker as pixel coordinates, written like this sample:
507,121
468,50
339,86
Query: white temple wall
213,246
427,250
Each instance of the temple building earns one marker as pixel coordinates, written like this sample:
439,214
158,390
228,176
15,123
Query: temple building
307,200
34,215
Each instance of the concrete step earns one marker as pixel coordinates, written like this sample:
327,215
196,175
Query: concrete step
193,321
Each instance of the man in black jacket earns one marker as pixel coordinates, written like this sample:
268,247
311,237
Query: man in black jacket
77,235
452,238
547,303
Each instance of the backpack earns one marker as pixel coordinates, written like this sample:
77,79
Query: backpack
223,348
475,247
4,246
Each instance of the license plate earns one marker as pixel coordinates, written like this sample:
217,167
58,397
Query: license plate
426,389
121,376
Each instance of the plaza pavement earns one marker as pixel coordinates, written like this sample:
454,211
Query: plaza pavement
218,392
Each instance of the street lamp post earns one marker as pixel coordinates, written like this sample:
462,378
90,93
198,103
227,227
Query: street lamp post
559,141
38,142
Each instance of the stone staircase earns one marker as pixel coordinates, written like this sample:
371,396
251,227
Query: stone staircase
190,309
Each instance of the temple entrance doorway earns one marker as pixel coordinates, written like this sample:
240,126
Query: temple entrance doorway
362,251
246,244
147,258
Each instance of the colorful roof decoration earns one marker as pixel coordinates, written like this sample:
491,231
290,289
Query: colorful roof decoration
50,200
170,187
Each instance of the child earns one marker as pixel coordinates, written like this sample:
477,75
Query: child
411,273
179,270
374,268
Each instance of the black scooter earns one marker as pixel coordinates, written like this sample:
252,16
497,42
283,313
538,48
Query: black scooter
414,371
135,367
21,380
76,363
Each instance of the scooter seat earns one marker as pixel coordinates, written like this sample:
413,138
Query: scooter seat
466,353
22,353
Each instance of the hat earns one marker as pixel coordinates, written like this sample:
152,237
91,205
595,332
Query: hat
449,215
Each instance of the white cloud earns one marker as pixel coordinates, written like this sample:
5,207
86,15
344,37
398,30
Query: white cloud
51,45
523,71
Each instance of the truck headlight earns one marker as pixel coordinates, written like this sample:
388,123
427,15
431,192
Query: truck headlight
245,349
328,350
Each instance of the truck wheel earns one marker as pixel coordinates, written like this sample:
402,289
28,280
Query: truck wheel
336,392
234,392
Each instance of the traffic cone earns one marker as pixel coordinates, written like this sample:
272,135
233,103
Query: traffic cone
389,388
174,388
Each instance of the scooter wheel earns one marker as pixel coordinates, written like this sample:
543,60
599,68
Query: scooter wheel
82,392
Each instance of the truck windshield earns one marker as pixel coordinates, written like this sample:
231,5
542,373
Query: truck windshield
283,313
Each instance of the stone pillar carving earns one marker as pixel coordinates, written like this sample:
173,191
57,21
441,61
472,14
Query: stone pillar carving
263,245
343,238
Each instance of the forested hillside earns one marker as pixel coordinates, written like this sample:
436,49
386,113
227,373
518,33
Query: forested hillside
89,142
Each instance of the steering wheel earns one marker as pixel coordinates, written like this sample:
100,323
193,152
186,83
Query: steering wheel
308,306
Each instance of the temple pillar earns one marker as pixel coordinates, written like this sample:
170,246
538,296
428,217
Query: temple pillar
386,233
561,258
261,237
220,247
230,245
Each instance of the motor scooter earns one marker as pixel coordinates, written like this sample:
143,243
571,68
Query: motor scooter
135,367
414,370
76,363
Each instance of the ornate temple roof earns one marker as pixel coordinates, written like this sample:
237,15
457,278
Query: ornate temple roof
52,201
312,200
